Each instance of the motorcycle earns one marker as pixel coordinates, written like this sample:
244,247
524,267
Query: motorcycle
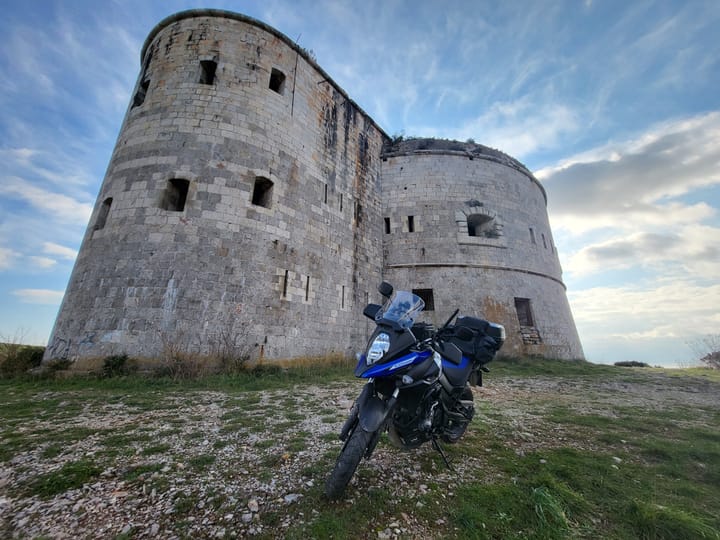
419,381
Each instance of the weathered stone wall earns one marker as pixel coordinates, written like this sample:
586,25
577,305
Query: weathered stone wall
288,274
241,212
446,190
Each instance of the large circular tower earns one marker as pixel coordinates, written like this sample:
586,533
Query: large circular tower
240,207
466,226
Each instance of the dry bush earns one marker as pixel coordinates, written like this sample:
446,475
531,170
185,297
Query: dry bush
707,349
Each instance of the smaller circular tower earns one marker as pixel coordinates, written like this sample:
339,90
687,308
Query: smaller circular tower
466,226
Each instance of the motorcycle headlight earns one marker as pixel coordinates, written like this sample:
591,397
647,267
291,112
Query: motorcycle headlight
378,348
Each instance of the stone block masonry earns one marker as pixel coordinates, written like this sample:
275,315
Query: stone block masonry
249,198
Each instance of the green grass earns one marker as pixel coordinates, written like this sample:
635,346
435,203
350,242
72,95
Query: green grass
592,466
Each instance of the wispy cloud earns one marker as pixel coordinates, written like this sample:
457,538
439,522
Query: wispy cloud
58,207
7,258
42,262
60,251
39,296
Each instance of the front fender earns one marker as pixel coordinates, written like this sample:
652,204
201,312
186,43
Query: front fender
373,412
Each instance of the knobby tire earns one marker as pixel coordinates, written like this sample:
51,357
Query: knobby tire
347,462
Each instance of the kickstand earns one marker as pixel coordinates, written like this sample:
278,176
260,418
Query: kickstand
436,446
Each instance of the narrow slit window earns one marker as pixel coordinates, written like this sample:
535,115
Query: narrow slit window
341,202
532,236
342,298
207,71
427,296
139,98
387,225
262,192
411,223
103,214
175,195
285,285
524,312
543,239
277,81
325,196
307,288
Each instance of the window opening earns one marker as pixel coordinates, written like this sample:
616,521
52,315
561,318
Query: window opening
341,202
387,225
342,298
277,81
325,198
207,71
103,214
543,239
285,285
532,236
175,195
481,225
411,223
358,212
427,297
139,98
524,312
307,288
262,192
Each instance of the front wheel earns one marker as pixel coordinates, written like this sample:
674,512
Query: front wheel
347,462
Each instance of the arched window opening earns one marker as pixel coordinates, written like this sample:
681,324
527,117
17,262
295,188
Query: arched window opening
175,195
480,225
103,214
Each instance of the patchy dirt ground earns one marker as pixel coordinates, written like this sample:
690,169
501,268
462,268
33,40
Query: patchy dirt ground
227,465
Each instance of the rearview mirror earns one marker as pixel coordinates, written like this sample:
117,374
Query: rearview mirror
385,289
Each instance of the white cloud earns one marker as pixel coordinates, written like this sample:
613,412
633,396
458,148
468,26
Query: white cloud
679,310
624,185
7,257
58,206
43,262
61,251
39,296
694,249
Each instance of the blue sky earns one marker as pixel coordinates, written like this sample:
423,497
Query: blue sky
614,105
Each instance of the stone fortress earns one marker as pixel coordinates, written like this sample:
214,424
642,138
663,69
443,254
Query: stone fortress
251,205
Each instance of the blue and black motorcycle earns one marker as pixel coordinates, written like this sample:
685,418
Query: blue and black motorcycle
419,380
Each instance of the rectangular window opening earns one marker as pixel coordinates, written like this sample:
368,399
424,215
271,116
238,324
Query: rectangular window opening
285,285
427,297
342,298
411,223
175,195
387,225
277,81
307,288
543,239
341,202
207,71
524,312
325,197
103,214
532,236
262,192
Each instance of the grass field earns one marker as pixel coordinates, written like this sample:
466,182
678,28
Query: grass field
556,450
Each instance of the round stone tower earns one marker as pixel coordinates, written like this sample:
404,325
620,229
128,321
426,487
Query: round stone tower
466,226
240,209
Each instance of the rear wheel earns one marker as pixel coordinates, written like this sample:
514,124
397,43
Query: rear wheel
347,462
455,431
